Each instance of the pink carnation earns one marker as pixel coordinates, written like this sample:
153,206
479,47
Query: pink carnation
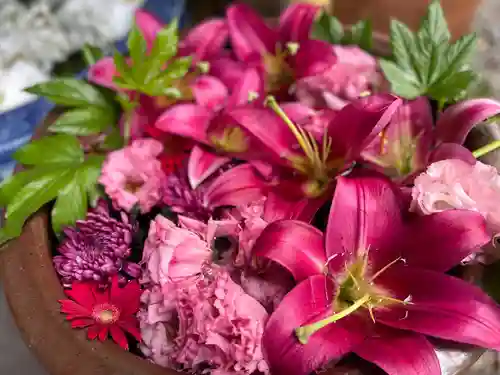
354,73
453,183
133,175
215,324
172,253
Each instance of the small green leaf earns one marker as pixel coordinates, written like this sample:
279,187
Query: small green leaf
458,54
113,140
178,67
402,83
89,174
125,102
32,196
91,54
136,45
11,185
61,149
327,28
403,44
360,34
434,25
123,69
84,121
454,86
71,203
165,44
69,92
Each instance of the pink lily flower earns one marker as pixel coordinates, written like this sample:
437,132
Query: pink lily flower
283,55
193,120
304,155
375,284
203,43
209,183
411,142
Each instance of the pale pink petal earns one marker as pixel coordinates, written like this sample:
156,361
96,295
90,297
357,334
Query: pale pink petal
202,164
102,73
238,186
295,245
296,22
205,41
209,92
398,352
441,240
457,121
187,120
307,303
441,306
365,217
249,33
149,25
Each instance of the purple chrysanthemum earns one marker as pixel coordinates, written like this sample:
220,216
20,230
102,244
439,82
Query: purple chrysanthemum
182,199
97,248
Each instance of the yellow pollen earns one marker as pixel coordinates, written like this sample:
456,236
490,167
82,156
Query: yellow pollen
315,162
106,316
232,140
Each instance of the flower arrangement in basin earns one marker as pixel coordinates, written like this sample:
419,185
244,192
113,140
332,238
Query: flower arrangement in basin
272,207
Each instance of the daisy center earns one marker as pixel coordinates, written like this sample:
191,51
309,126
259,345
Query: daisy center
106,313
356,290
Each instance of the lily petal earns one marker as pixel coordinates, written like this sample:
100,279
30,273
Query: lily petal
306,303
457,121
358,123
236,187
452,151
187,120
102,73
297,112
209,92
227,70
277,141
295,245
249,33
202,164
365,216
276,208
313,58
296,22
442,240
149,26
397,352
250,83
441,306
205,41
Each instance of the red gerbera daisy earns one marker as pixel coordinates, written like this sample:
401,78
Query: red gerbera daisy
104,312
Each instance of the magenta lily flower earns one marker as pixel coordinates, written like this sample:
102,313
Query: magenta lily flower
304,157
283,55
375,284
411,142
208,182
203,43
211,109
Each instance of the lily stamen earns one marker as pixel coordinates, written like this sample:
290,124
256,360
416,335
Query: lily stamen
304,333
382,270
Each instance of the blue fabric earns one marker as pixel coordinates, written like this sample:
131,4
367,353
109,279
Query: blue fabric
17,126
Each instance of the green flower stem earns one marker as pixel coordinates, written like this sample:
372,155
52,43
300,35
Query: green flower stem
127,126
486,149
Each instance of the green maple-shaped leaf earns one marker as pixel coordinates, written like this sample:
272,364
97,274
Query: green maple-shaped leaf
57,168
426,62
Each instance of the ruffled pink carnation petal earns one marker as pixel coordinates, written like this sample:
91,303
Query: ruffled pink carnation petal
456,184
133,175
172,253
215,324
